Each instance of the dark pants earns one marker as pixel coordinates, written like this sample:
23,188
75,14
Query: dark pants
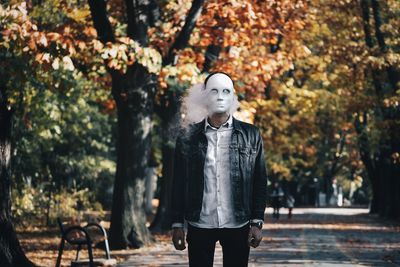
290,213
201,246
276,205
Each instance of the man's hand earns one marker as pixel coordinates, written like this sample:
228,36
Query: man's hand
178,238
255,236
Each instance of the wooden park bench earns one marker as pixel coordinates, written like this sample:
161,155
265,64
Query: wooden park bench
82,236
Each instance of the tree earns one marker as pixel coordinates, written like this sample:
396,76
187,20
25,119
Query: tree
35,59
11,253
134,94
382,165
228,35
359,45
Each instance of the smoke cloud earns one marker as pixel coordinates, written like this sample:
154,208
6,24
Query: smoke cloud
194,105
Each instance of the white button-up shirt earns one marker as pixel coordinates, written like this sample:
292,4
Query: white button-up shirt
217,207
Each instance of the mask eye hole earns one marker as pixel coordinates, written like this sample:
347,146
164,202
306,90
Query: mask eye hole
226,91
213,91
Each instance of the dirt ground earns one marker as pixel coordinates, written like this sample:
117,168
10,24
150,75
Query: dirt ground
41,246
313,237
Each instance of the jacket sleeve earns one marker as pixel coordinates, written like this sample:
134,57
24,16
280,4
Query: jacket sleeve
178,183
259,182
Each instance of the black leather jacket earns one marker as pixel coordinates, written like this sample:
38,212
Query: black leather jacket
248,172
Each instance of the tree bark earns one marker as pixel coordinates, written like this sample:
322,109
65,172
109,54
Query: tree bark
11,253
128,218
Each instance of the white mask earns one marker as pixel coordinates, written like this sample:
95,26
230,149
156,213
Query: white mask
219,93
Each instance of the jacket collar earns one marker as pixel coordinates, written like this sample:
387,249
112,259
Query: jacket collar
228,123
200,126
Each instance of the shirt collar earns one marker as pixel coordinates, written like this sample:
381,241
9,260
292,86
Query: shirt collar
227,124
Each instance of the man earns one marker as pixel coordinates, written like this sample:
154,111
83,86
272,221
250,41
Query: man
276,196
220,182
290,204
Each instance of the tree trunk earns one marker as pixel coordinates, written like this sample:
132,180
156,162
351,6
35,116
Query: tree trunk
134,98
11,253
333,169
134,93
391,146
162,220
211,56
395,171
372,166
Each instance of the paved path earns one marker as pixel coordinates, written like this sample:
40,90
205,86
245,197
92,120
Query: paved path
313,237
